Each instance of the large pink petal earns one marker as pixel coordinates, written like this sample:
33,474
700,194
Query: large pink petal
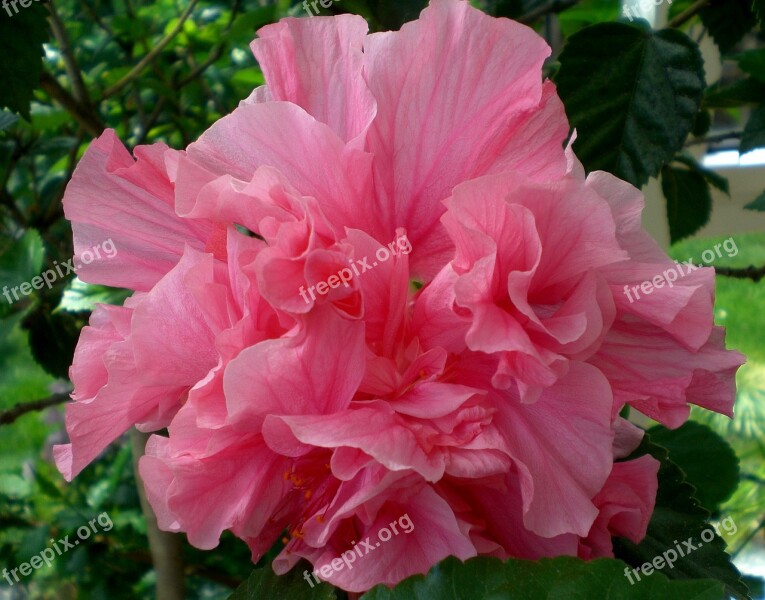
495,506
173,341
108,325
204,491
377,431
428,532
626,504
130,202
170,347
384,287
316,371
94,423
562,446
308,153
684,307
653,372
456,90
317,64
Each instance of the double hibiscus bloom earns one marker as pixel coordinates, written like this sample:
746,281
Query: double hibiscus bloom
474,383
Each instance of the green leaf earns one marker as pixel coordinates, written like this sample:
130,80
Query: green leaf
689,203
21,38
634,105
19,263
728,21
392,14
753,62
757,204
754,132
713,179
560,578
702,124
14,486
709,463
52,339
83,297
743,91
47,487
678,517
252,20
265,584
756,585
586,13
22,380
7,119
679,6
515,8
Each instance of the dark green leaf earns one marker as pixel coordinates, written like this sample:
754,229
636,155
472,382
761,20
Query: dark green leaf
702,124
753,62
689,203
52,338
758,203
392,14
678,517
754,132
19,263
709,463
252,20
634,105
550,578
47,487
264,584
756,585
585,13
743,91
22,35
728,21
515,8
713,179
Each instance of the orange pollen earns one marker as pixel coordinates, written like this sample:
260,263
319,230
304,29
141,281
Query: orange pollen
308,494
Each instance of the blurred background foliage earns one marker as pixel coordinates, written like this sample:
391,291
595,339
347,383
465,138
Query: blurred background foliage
164,71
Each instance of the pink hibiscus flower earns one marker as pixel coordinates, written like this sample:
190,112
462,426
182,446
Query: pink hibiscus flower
308,387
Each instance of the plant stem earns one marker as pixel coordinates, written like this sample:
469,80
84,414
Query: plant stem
9,416
86,117
135,72
687,14
79,91
166,548
750,272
